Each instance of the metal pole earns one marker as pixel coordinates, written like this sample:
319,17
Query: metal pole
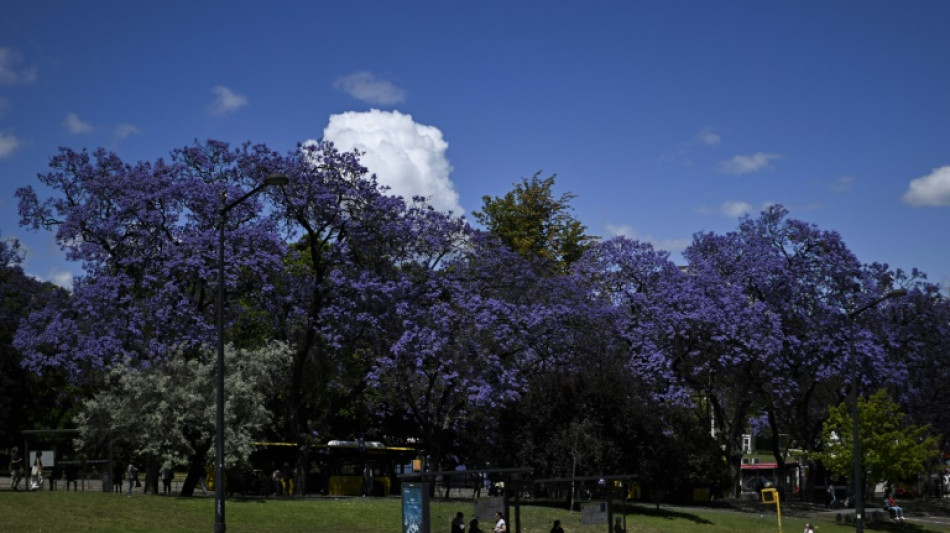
856,436
219,523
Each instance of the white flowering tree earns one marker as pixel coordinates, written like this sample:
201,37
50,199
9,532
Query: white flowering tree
166,413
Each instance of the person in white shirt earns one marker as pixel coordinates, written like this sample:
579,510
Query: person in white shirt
500,526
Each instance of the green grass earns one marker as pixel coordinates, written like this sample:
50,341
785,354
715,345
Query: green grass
25,512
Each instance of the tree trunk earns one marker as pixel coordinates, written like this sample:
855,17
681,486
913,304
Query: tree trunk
196,473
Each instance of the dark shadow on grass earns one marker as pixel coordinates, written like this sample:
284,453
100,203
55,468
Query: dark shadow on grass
630,509
669,514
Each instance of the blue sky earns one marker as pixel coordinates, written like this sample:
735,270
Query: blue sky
664,118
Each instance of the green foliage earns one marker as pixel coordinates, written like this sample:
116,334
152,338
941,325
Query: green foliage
891,449
532,222
168,411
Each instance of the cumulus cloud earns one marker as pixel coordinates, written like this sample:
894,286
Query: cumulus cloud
75,125
368,88
746,164
126,130
9,73
932,190
226,101
626,230
406,156
8,145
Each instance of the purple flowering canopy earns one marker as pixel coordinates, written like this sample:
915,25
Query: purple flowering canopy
145,235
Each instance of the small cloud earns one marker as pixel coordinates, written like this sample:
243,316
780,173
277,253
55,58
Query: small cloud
708,137
8,145
730,208
61,278
227,101
682,153
9,73
842,184
746,164
932,190
126,130
622,230
75,125
670,245
735,209
368,88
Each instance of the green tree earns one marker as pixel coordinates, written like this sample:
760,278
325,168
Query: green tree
534,223
891,448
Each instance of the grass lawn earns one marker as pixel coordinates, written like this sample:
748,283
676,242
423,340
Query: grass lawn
25,512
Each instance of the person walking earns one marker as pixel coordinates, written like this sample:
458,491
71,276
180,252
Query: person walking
16,468
167,475
36,481
132,475
500,525
556,528
458,523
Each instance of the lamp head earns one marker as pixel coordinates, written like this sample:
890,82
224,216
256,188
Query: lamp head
276,178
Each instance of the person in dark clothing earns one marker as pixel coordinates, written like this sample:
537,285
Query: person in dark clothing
16,468
458,523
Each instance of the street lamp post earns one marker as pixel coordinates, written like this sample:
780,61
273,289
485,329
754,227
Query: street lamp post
219,524
856,433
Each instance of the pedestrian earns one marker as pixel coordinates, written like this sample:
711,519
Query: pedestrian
277,480
16,468
167,475
287,480
809,528
617,527
473,526
500,525
458,523
367,480
36,481
116,479
556,528
132,476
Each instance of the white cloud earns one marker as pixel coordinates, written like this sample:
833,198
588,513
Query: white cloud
8,145
9,74
406,156
368,88
932,190
735,209
708,137
625,230
842,184
745,164
732,208
126,130
74,124
226,101
61,278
